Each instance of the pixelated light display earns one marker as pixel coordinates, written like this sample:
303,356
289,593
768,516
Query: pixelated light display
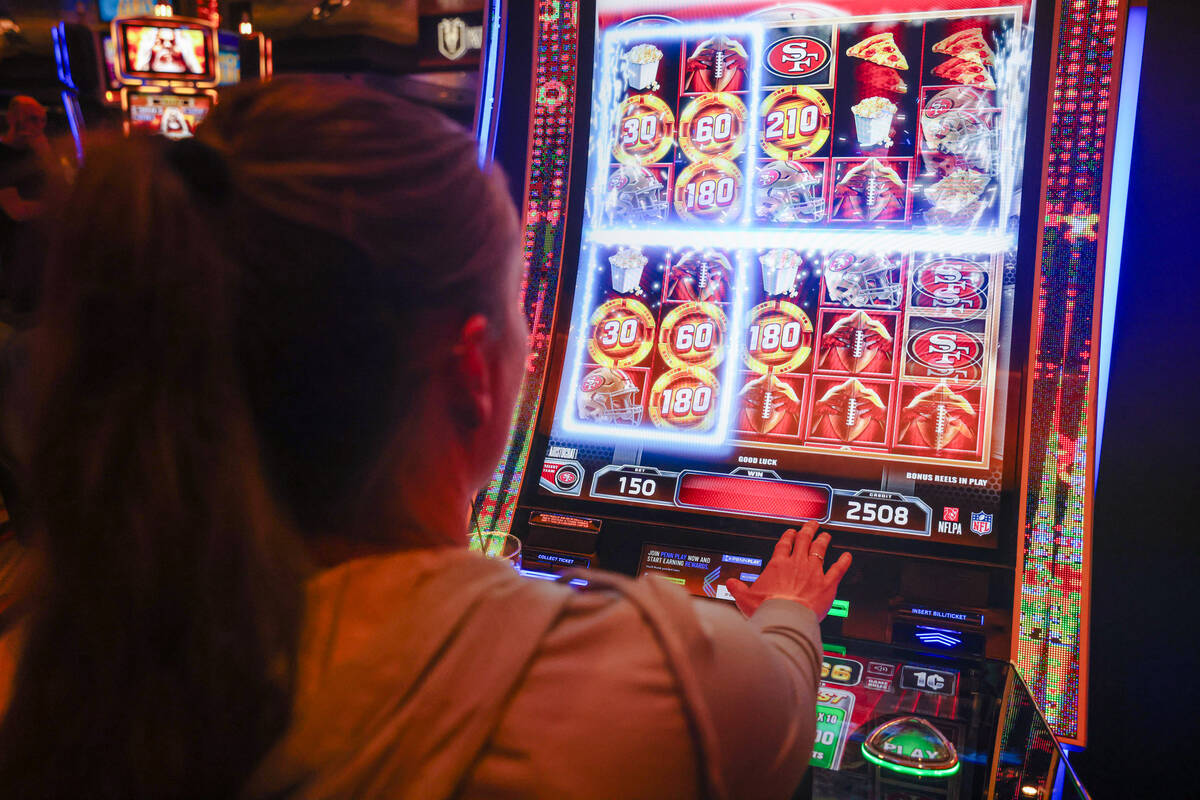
552,120
1050,635
1049,638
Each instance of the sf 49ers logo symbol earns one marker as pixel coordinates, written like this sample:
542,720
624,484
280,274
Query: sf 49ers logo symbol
945,353
950,283
797,56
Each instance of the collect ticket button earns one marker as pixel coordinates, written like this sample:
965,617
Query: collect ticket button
760,497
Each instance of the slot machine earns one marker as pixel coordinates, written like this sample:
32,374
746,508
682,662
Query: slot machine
163,72
833,262
168,70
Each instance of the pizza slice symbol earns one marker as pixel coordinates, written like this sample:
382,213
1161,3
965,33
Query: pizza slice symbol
889,80
879,49
969,45
968,73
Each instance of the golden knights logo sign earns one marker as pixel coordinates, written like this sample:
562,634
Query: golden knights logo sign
455,37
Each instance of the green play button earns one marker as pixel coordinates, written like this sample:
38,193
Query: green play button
913,746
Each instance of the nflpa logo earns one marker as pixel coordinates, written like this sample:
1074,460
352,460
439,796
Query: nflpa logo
950,514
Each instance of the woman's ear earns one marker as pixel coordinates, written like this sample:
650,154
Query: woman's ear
473,362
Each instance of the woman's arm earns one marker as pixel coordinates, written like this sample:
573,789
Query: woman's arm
641,691
751,688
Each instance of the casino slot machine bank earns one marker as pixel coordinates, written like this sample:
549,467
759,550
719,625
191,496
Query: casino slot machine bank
800,261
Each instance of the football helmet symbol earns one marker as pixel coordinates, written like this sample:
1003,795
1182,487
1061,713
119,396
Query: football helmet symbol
862,281
789,192
609,395
635,194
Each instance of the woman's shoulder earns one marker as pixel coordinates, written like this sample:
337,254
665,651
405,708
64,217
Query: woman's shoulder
603,689
407,602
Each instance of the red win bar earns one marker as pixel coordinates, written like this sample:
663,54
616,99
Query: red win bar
759,497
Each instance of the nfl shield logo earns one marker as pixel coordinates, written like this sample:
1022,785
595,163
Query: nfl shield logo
981,523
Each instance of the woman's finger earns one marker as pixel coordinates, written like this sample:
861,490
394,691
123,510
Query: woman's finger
838,571
804,540
783,548
818,547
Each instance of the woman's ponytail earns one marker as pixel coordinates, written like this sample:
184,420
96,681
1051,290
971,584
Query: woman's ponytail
159,662
234,331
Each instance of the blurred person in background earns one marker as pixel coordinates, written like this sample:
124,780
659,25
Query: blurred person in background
28,173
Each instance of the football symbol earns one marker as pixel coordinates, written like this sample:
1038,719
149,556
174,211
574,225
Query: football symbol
950,283
850,412
946,353
937,419
700,276
857,343
769,406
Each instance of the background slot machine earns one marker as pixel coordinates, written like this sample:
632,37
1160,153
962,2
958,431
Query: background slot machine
824,262
163,73
168,68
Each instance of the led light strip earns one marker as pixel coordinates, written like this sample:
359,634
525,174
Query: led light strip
1051,608
810,240
551,125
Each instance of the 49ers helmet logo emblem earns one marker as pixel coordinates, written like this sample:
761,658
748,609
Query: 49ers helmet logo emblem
797,56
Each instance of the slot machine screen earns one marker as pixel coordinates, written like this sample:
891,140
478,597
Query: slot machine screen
229,58
109,47
169,115
165,50
797,292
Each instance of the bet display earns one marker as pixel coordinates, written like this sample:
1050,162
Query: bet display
795,293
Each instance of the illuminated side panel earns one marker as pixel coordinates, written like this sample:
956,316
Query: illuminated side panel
552,120
1055,560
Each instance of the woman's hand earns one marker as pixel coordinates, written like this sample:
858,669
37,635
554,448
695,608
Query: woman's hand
796,571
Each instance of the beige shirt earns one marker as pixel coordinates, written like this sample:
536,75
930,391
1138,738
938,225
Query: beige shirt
439,674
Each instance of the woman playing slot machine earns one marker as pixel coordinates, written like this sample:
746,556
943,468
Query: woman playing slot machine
252,462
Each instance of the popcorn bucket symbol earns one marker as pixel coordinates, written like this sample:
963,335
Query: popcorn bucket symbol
779,268
640,67
873,121
627,265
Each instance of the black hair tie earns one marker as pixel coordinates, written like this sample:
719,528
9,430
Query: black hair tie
202,167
